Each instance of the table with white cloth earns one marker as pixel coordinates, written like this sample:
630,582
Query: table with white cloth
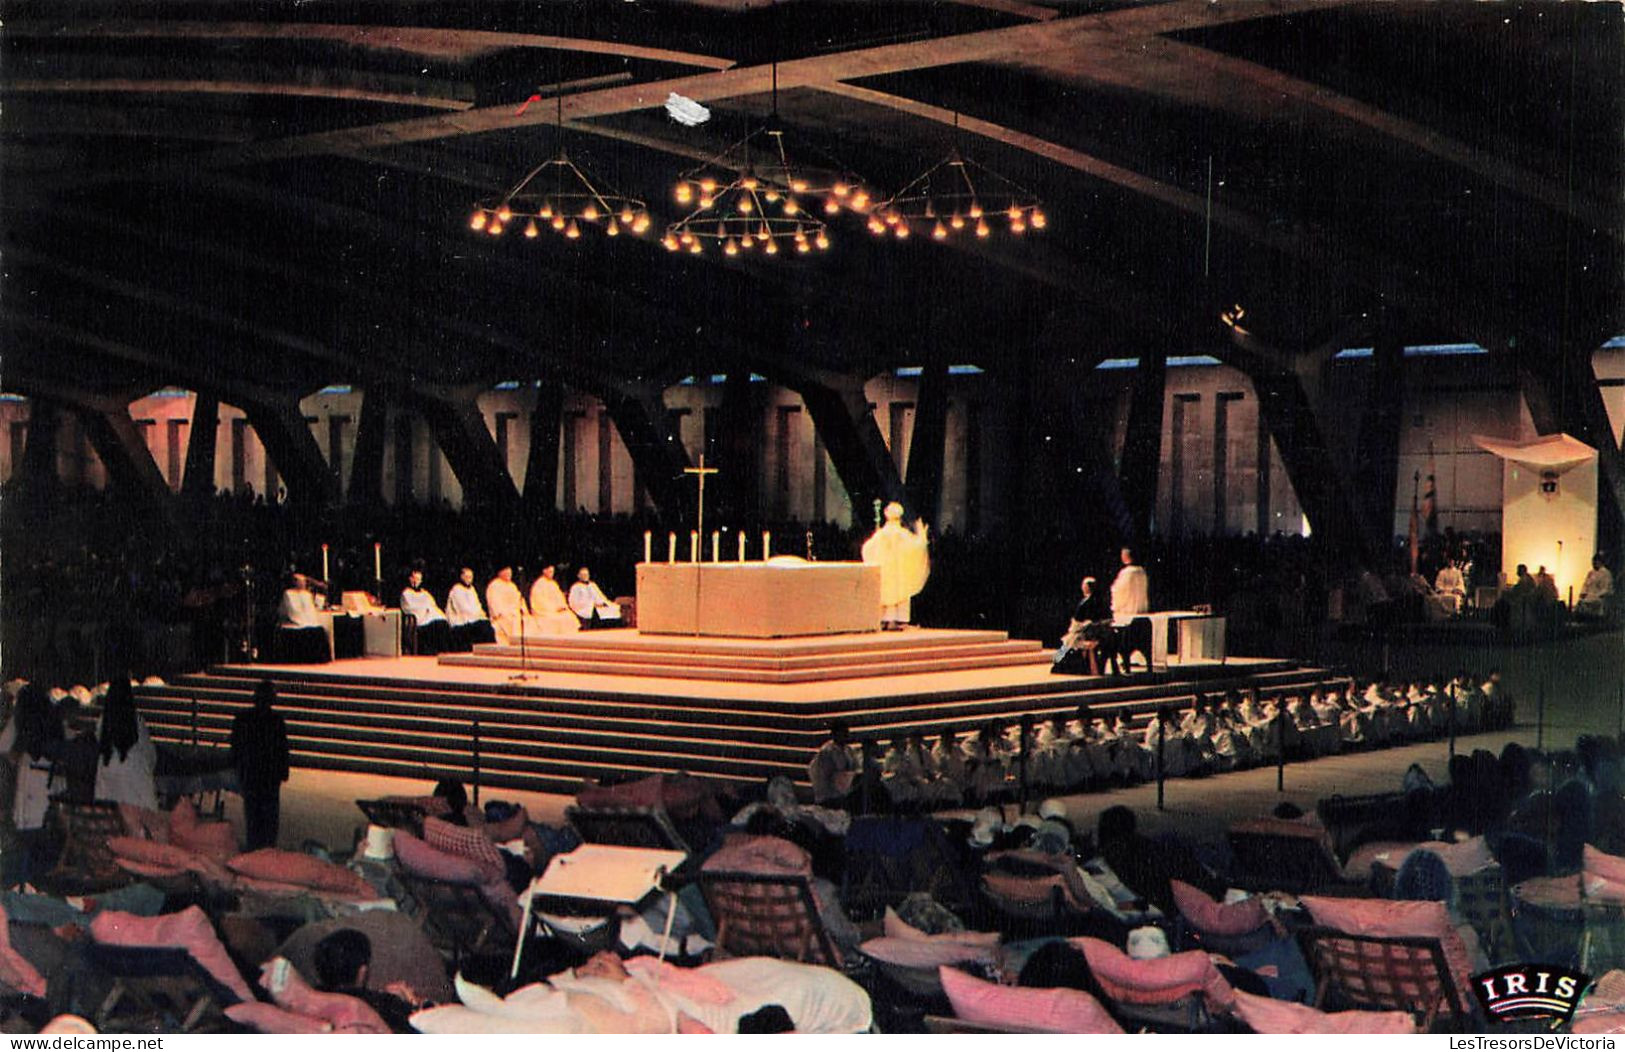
1182,637
758,600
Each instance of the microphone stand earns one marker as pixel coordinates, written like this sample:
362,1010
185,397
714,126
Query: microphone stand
523,675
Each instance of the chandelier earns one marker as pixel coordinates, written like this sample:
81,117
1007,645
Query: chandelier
744,214
956,195
560,195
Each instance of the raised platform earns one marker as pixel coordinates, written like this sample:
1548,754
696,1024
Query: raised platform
805,659
547,730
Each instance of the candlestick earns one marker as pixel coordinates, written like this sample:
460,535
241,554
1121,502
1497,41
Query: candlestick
377,561
767,545
716,546
671,547
693,546
648,539
741,545
325,575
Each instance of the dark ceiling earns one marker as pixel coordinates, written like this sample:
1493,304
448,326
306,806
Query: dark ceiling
276,197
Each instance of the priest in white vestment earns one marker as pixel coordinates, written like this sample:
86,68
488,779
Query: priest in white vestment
1596,591
1131,598
904,564
1451,586
507,606
433,632
466,614
552,615
302,636
590,604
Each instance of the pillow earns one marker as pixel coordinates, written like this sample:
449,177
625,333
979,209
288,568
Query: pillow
1059,1011
16,971
188,930
1384,917
306,871
419,859
1389,852
342,1013
1600,864
1266,1015
269,1019
466,843
168,856
215,839
149,870
1158,980
1603,890
898,928
924,953
1218,918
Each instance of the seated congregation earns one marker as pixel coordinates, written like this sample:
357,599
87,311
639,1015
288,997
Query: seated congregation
1365,915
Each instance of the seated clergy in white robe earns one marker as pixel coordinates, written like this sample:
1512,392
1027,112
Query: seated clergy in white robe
466,614
551,615
904,565
301,633
590,604
507,606
1451,586
433,631
1596,591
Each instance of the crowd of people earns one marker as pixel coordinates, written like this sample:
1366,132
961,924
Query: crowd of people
302,955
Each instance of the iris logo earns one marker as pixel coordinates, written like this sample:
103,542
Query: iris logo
1530,991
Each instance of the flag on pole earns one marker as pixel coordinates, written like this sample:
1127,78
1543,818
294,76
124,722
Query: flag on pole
1415,540
1430,498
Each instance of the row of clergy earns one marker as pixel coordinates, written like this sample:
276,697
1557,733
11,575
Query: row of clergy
549,611
1232,732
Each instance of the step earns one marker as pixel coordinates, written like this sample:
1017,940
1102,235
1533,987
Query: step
895,666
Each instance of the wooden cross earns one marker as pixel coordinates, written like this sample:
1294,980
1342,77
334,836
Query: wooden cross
699,474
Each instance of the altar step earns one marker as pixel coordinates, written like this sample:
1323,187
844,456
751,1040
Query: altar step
802,660
540,737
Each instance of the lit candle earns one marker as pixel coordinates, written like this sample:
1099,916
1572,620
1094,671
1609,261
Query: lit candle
377,561
325,575
741,545
671,547
648,540
693,546
767,545
716,546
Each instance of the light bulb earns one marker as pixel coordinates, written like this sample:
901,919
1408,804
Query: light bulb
975,210
707,185
790,206
749,182
841,189
745,204
530,229
572,231
614,228
1040,220
641,223
685,193
772,248
547,210
626,216
860,200
893,218
901,231
763,233
722,228
747,242
771,195
831,206
801,244
876,226
706,200
798,185
957,222
493,228
939,231
504,213
1018,225
1013,212
981,228
729,248
558,222
822,240
590,213
695,248
477,220
669,242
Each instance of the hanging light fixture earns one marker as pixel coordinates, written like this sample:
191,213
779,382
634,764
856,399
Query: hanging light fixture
958,197
560,195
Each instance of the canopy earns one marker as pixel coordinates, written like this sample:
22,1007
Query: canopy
1560,452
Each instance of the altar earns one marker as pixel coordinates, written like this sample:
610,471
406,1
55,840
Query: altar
758,600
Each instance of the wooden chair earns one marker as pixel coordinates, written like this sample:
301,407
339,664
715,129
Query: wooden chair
768,916
1385,973
629,826
162,989
457,918
86,864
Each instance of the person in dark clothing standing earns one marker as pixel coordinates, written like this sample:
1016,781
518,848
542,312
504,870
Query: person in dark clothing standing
259,750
